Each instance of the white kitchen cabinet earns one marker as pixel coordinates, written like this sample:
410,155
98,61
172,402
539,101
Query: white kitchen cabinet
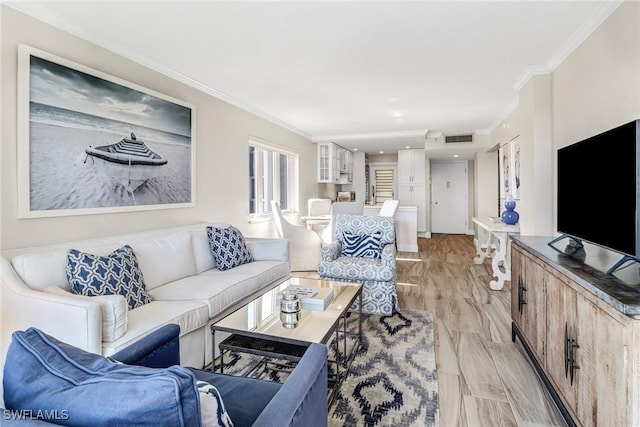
328,170
346,165
335,164
414,195
411,166
411,183
358,183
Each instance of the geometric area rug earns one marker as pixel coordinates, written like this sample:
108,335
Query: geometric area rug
392,380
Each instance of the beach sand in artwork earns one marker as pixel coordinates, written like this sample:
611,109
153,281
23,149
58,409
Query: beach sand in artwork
58,182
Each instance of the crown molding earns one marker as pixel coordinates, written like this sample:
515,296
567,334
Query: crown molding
42,14
596,19
586,29
529,72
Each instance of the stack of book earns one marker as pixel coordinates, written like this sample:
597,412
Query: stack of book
311,297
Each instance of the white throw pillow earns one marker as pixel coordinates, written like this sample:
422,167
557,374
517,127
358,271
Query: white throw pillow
212,412
114,312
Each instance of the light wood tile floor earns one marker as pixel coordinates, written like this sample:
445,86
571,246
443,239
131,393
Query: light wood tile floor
483,378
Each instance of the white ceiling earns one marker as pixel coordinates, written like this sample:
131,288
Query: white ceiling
369,75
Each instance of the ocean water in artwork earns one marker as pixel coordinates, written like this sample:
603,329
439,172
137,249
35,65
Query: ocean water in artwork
62,178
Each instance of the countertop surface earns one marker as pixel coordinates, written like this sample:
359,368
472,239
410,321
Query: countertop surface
399,207
620,289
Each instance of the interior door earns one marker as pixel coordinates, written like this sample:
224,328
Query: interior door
449,207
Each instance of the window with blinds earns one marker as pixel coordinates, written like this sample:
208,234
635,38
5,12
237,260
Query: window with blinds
273,175
384,185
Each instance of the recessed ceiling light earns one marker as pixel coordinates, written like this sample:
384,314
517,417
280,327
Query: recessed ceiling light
355,149
406,146
382,152
456,156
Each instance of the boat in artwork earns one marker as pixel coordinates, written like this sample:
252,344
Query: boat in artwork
129,161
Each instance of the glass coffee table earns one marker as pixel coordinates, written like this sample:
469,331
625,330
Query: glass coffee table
256,328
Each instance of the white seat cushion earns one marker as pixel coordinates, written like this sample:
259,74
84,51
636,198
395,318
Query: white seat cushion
189,315
220,289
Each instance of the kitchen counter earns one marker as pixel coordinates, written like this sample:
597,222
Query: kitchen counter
406,226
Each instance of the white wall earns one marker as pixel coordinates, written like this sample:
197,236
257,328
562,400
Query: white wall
471,194
596,88
221,166
486,184
536,202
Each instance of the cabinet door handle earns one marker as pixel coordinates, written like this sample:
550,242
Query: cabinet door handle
566,350
573,359
521,299
519,295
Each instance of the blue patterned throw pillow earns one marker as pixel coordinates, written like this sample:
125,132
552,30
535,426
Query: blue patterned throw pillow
115,274
361,246
228,247
212,411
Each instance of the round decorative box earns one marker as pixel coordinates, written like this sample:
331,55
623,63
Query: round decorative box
290,310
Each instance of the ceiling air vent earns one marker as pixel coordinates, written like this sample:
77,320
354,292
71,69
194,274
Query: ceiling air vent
450,139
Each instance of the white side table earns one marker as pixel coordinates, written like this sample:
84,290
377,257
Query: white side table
496,235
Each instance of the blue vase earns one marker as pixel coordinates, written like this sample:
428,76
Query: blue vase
510,216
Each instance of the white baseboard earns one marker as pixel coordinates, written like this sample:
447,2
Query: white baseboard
408,248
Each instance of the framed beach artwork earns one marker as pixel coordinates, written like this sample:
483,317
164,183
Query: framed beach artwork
92,143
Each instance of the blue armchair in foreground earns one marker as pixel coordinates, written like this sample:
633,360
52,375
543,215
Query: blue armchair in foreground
45,379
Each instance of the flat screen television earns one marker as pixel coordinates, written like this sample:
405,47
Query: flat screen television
598,190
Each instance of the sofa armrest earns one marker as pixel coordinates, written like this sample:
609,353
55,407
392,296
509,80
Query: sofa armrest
330,252
159,349
302,399
23,307
268,249
388,256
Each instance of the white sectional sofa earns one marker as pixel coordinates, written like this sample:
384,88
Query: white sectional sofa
180,275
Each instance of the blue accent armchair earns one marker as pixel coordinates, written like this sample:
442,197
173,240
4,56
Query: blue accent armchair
300,401
377,275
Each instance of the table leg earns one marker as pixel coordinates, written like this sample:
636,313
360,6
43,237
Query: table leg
344,338
337,352
483,246
360,320
500,263
213,350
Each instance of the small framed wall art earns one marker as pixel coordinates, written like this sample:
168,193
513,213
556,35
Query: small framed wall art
509,166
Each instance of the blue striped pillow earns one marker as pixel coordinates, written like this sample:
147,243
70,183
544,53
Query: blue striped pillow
361,246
